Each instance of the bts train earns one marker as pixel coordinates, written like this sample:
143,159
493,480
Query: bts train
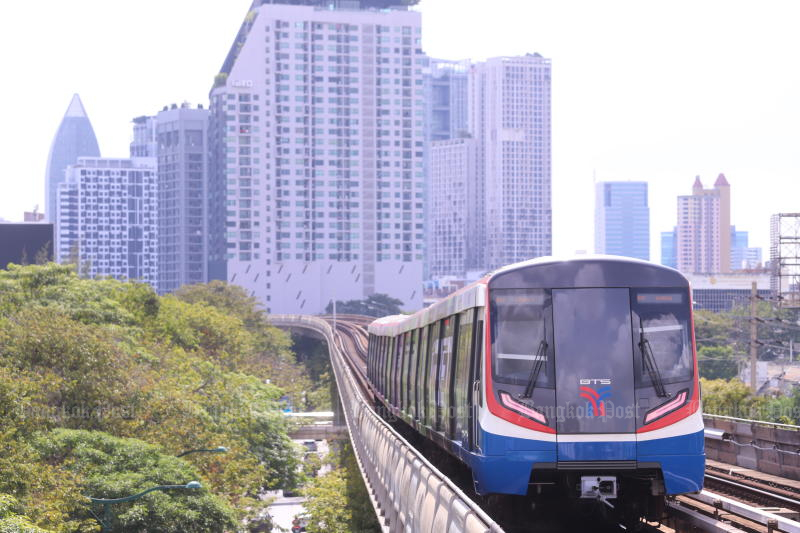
574,379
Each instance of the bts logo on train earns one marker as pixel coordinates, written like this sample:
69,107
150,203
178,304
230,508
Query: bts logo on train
596,405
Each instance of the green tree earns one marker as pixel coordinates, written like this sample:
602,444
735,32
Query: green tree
114,357
11,521
716,362
731,398
111,467
327,503
338,500
713,329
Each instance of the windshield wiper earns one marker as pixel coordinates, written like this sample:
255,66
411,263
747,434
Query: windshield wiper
541,355
649,362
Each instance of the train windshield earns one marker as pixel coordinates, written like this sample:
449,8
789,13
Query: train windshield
521,321
661,327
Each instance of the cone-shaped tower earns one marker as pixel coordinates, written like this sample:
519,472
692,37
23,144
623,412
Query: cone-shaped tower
74,138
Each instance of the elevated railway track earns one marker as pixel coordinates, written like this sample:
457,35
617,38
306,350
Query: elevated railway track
411,493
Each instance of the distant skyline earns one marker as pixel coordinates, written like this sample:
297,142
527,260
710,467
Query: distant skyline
641,91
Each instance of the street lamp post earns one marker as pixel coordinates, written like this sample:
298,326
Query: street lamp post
108,502
218,449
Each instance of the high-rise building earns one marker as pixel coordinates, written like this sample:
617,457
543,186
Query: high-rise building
74,138
703,233
453,207
317,133
144,142
446,85
622,219
668,245
107,218
446,98
742,255
509,117
181,135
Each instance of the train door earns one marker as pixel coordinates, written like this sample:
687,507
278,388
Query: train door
476,398
594,375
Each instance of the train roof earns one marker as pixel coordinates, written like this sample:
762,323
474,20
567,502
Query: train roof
585,271
542,272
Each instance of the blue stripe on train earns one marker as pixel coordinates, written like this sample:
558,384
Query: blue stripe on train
507,465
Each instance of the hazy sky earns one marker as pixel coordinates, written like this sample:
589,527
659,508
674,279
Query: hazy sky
642,90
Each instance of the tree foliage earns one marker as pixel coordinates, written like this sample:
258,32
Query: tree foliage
112,467
338,501
88,365
716,362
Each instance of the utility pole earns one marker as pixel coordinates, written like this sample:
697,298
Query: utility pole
753,338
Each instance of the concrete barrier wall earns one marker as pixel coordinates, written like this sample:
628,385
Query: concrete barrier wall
409,494
762,446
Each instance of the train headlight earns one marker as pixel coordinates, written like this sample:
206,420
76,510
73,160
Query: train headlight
666,408
521,408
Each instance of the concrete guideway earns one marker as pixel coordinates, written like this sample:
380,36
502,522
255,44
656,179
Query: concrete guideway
408,493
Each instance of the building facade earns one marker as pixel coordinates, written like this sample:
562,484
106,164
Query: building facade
317,137
446,84
144,142
703,233
25,244
74,138
107,218
622,219
181,134
743,256
446,94
668,246
509,117
723,292
453,207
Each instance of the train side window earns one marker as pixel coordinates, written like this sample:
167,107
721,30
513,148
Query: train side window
387,374
461,380
412,375
378,363
377,370
431,375
392,365
443,413
370,350
374,345
398,371
401,374
404,375
422,367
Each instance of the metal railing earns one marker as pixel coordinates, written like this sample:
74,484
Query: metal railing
408,493
749,421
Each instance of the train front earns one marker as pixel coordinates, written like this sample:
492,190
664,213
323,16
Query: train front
591,383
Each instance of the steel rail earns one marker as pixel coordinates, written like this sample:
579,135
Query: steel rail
795,504
749,512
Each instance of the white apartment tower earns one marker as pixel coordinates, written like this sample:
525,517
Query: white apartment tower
316,137
107,218
509,117
453,207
